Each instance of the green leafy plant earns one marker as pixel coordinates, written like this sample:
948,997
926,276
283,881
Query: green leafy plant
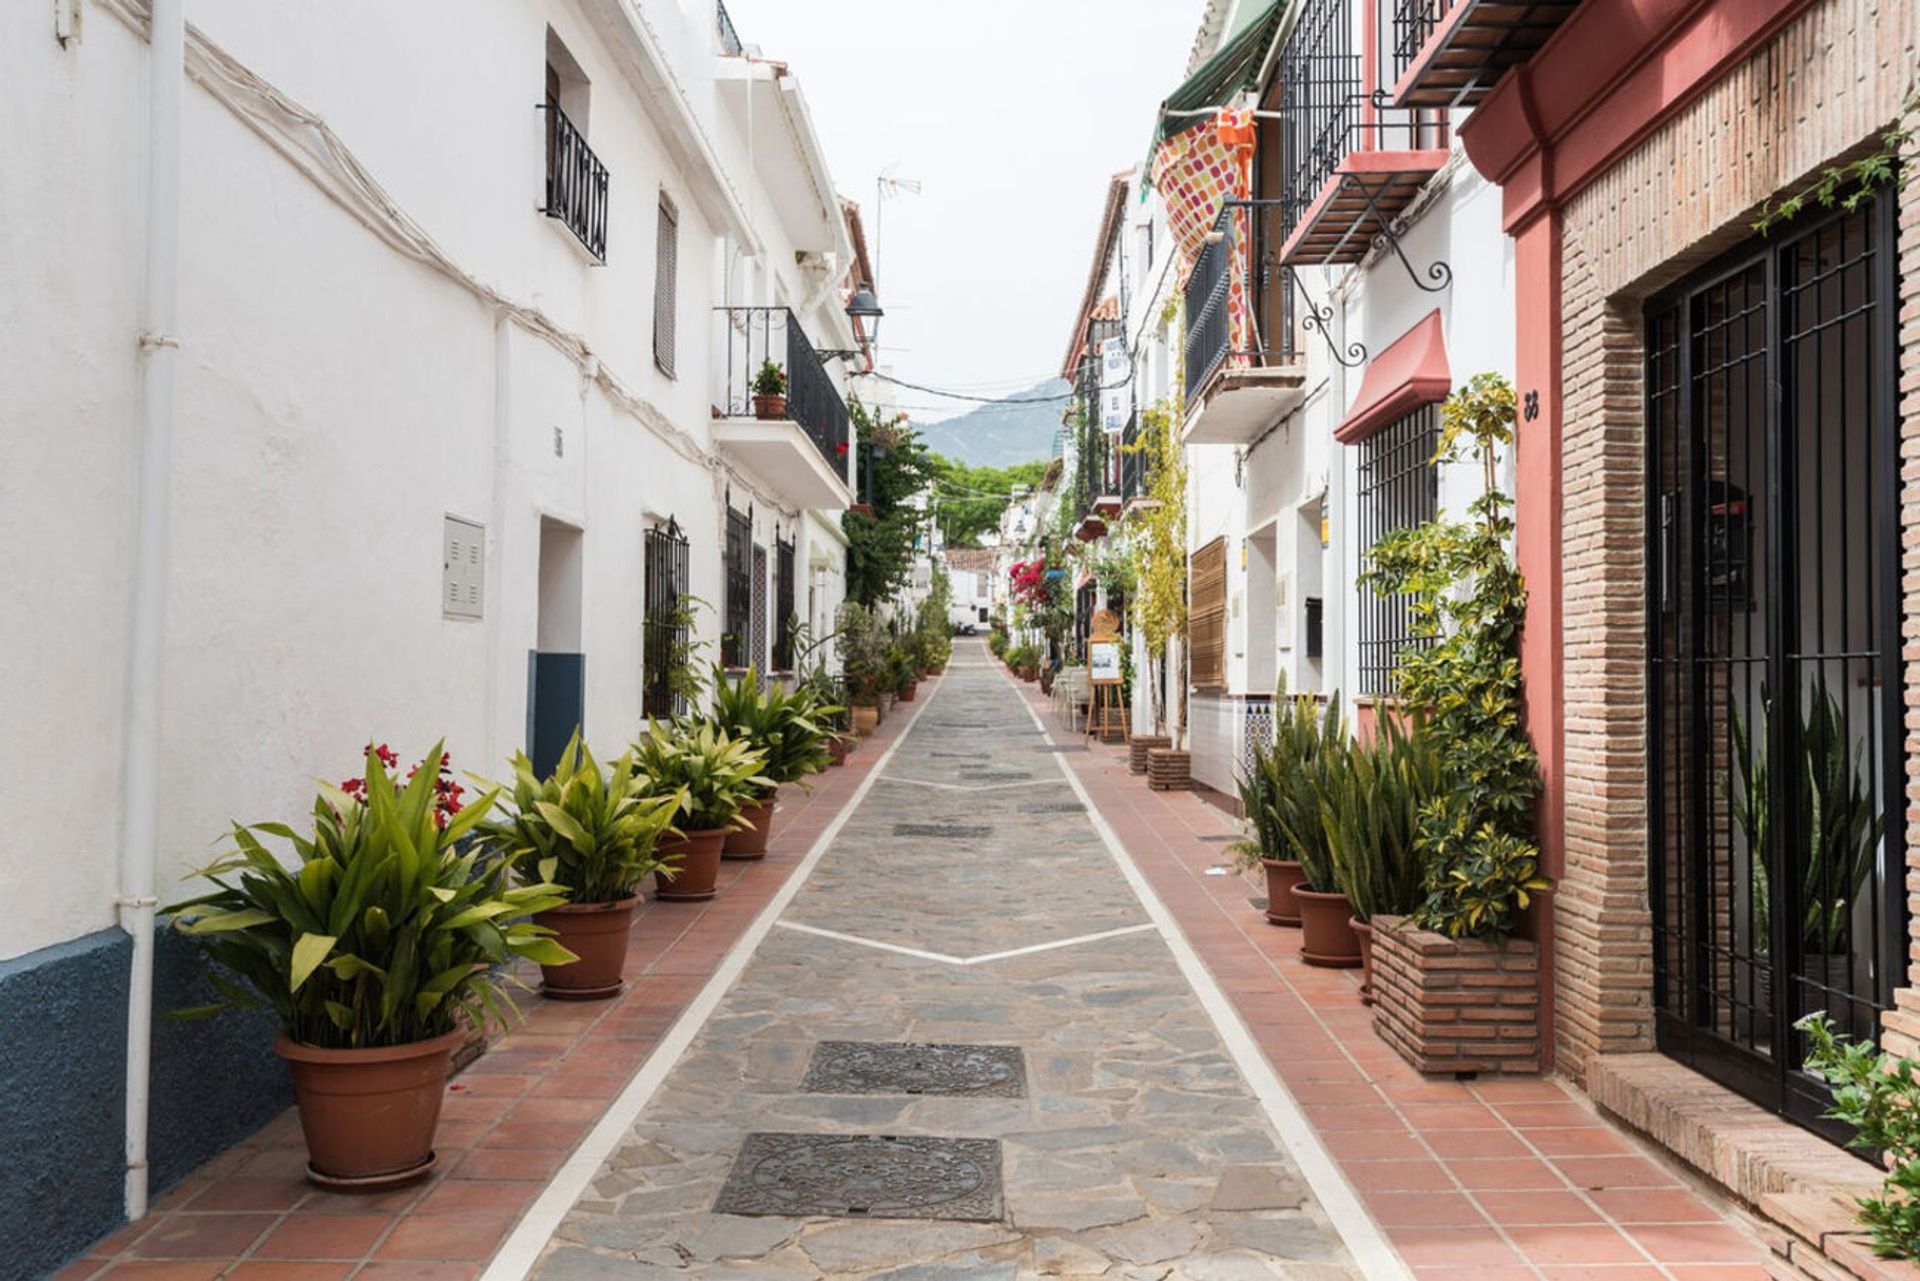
678,650
997,643
789,730
708,774
1371,812
590,831
1156,539
881,538
1840,824
383,930
864,655
770,381
1879,1096
1291,777
1468,603
1851,185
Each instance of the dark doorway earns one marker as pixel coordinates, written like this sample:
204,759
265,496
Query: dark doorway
1775,699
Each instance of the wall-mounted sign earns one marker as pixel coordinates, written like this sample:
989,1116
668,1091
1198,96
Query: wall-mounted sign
1116,385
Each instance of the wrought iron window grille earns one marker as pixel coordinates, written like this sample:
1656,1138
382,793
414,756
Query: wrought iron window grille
665,633
1398,487
736,632
576,184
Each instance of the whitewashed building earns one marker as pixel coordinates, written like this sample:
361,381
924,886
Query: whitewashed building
368,372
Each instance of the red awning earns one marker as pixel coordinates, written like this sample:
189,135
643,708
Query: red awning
1411,372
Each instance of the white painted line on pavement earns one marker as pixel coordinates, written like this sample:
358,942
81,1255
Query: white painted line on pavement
944,959
857,941
521,1250
1371,1251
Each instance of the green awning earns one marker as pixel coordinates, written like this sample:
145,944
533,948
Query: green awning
1235,67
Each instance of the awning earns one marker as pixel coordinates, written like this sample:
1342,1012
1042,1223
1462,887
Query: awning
1410,373
1235,67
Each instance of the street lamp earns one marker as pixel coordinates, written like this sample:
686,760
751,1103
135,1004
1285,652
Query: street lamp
864,310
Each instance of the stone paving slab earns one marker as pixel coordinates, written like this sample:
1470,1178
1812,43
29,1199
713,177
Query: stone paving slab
1139,1151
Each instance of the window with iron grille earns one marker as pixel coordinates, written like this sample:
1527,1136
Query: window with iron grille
737,627
666,266
783,656
1207,615
1399,488
664,636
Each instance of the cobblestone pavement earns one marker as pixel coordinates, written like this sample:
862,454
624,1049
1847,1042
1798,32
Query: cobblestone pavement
1138,1150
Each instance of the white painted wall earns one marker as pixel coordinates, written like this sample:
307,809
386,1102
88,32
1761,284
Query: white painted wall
337,400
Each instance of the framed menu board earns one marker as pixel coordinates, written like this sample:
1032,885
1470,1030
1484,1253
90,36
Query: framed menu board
1103,662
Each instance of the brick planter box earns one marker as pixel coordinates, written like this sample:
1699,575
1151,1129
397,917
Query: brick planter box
1167,769
1139,745
1455,1006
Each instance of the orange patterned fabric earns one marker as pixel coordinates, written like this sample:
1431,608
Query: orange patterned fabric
1196,171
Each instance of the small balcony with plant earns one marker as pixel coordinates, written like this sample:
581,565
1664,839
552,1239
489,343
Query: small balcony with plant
777,411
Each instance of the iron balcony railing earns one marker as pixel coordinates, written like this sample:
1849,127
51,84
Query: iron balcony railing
755,335
729,37
1133,463
1251,231
576,182
1331,114
1414,22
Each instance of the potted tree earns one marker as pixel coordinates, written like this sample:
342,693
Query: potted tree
709,775
1371,813
863,652
374,948
784,728
593,834
770,392
911,657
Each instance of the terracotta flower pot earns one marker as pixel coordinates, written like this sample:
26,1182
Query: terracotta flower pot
597,934
369,1116
750,842
837,750
1283,877
1325,937
909,691
697,867
1363,934
769,407
866,719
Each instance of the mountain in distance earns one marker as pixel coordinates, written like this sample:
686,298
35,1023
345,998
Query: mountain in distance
1000,434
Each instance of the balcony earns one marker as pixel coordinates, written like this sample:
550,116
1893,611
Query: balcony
1352,163
730,45
1450,53
801,451
576,191
1244,366
1136,470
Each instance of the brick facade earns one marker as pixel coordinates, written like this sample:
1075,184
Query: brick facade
1829,82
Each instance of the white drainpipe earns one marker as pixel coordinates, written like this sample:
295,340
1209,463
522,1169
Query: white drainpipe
159,354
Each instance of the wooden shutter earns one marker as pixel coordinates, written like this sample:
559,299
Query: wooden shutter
1207,615
666,259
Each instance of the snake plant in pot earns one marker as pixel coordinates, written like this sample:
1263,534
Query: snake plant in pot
1371,813
709,775
1309,743
790,733
374,947
593,833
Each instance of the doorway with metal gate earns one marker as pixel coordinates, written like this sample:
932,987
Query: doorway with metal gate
1775,703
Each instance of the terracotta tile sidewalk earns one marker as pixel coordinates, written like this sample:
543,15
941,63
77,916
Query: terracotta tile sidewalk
1471,1181
509,1122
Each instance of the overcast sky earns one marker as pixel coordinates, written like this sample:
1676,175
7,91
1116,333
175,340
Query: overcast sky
1012,114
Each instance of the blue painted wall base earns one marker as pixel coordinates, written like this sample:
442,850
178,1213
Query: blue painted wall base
63,1064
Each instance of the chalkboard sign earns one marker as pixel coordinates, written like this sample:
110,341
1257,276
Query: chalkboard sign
1103,662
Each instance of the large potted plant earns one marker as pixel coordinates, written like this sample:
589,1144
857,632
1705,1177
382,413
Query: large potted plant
709,775
865,664
377,947
1371,813
1273,786
787,731
770,392
594,834
909,658
1311,753
1475,839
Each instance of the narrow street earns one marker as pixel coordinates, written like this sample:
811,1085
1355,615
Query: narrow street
967,901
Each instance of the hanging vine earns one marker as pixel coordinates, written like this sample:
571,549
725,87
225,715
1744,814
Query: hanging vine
1157,539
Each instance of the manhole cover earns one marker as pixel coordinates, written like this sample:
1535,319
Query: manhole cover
863,1176
1054,807
961,756
994,776
948,831
1219,836
1063,747
895,1067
